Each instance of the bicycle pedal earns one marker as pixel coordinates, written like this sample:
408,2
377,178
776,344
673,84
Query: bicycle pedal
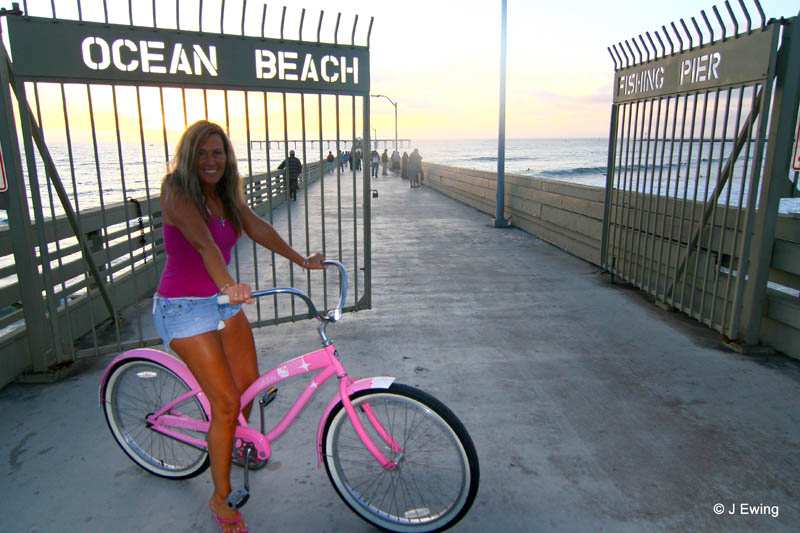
237,498
268,396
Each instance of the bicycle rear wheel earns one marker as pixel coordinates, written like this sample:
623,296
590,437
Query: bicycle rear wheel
136,389
437,476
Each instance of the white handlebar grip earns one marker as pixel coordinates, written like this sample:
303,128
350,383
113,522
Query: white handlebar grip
223,299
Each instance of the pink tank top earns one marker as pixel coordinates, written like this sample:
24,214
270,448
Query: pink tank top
184,272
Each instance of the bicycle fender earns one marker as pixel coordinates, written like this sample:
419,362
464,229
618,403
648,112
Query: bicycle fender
379,382
173,363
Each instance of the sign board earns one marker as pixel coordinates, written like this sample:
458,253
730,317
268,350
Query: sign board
45,49
738,60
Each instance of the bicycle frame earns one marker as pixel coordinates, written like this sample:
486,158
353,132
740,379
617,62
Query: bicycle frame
168,419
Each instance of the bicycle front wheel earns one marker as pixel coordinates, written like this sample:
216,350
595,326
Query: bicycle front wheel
437,474
136,389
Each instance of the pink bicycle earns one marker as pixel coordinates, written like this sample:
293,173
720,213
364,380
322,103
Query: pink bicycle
398,457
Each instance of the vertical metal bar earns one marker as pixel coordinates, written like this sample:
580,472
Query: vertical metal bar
305,185
148,195
244,10
43,246
283,20
655,265
668,294
222,18
649,236
644,217
736,260
319,29
286,182
252,187
712,229
703,221
500,197
133,272
631,212
336,31
178,14
622,192
688,258
322,171
105,241
612,144
338,179
79,224
779,153
661,262
684,198
270,206
353,35
616,198
367,298
200,17
228,132
355,204
263,19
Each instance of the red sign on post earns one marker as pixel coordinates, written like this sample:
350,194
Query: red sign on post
4,183
795,161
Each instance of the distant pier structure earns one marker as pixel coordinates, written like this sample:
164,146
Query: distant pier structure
329,144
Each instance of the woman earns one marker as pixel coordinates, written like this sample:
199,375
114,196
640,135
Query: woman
204,214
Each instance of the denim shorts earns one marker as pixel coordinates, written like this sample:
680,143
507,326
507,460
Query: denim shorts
178,318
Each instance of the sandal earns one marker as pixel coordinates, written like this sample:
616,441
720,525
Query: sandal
237,522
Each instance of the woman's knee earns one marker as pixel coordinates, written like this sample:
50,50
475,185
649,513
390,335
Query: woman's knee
225,407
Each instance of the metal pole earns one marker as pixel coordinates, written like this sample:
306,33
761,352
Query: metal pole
776,172
499,220
395,125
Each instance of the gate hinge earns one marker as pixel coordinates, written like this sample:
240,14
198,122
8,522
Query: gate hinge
15,10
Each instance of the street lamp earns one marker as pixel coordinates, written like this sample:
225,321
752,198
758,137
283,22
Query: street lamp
395,114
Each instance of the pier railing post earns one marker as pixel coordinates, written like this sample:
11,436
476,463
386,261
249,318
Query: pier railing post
22,239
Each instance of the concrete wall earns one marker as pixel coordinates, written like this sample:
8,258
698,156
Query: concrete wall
570,216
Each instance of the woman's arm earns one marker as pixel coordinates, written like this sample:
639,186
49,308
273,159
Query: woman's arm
181,212
265,235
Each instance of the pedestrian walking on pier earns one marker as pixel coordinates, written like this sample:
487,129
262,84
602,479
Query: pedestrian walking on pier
375,159
404,166
396,162
293,168
384,162
414,168
346,161
204,213
330,160
357,160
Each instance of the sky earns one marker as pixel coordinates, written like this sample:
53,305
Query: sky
440,60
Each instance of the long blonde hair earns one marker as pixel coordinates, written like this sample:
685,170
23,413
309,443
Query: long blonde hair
182,176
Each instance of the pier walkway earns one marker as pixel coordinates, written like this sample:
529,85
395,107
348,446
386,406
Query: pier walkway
591,409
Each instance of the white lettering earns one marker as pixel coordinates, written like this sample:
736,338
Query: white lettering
345,70
208,61
642,81
716,57
180,61
309,69
148,56
265,65
116,48
105,56
326,76
701,68
285,66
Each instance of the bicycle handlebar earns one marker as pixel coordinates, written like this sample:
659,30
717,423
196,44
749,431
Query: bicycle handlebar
333,316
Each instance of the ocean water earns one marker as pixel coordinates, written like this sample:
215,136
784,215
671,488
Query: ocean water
574,160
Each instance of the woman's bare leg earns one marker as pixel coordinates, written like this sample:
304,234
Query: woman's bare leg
205,357
240,351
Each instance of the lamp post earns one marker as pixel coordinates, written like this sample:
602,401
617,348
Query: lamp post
395,114
499,216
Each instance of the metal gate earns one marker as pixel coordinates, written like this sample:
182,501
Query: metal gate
103,95
699,151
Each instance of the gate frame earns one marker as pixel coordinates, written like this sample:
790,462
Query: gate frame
773,176
42,336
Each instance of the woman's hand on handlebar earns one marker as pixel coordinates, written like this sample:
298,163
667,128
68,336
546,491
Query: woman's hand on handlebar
238,293
314,261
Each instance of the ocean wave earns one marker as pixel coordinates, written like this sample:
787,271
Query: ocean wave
580,171
494,158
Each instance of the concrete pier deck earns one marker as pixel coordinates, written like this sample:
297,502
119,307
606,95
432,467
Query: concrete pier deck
591,409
